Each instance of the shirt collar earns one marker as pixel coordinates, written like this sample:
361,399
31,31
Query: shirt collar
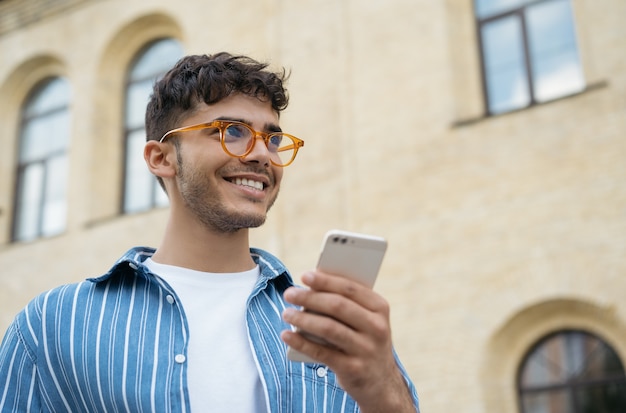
270,266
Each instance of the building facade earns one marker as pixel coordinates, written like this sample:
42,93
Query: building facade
484,139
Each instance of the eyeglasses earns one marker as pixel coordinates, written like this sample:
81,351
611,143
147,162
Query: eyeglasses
238,140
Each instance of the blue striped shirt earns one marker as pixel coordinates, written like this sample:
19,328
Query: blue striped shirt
118,343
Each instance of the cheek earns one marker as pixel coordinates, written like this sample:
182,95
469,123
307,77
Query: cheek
204,160
278,176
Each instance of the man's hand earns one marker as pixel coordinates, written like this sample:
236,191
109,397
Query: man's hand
355,321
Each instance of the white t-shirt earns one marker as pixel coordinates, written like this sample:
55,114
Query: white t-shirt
222,373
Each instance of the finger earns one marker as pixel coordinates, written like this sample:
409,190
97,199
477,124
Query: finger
325,330
332,305
321,338
374,320
322,353
351,289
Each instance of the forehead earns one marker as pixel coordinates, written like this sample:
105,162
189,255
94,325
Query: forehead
258,113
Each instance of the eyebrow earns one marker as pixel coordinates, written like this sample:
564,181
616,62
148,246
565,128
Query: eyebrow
269,127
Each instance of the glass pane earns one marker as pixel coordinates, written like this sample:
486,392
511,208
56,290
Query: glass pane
554,54
571,357
157,59
29,202
505,70
545,365
577,347
578,363
53,95
137,98
58,126
54,215
609,398
141,189
557,401
486,8
43,136
33,146
139,180
600,362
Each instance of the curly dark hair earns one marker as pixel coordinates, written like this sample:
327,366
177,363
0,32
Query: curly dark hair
209,79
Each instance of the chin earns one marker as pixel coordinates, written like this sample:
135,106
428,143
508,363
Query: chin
234,222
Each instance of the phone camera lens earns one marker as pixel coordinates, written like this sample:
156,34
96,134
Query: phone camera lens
335,239
343,240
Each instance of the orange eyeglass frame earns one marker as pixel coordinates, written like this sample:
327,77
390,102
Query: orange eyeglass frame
222,125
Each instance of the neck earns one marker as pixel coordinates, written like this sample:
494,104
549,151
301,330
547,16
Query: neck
190,244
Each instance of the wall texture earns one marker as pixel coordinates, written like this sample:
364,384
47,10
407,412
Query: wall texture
501,229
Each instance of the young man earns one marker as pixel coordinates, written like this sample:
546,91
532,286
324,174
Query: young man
203,322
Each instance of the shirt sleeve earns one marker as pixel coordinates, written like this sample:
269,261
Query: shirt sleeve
409,383
18,370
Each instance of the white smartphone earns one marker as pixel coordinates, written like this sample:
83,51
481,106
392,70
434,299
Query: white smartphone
351,255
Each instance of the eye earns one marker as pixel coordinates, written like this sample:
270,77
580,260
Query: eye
274,142
236,132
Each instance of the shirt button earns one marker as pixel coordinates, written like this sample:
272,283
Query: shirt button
180,358
169,299
321,372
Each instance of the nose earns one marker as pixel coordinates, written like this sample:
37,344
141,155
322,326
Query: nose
259,153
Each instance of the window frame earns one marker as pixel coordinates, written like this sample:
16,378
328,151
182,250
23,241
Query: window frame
21,167
520,13
129,131
570,387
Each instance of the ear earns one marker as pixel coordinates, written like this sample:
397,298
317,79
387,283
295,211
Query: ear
160,158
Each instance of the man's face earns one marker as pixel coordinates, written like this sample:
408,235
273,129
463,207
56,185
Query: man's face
226,193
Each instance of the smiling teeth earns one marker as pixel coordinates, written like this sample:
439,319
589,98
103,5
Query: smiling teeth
249,182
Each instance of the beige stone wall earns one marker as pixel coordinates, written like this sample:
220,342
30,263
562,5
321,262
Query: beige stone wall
501,230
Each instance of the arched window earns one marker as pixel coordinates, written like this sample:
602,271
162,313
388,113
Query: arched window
572,372
41,190
141,189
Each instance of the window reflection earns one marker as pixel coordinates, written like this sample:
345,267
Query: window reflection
139,182
552,43
41,204
503,49
488,8
141,189
572,372
29,202
529,52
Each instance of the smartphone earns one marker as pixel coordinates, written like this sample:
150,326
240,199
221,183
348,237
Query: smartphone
351,255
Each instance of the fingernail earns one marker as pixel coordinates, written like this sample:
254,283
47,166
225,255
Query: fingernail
289,293
288,313
308,277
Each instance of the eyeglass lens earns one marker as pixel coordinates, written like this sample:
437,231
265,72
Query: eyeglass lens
239,139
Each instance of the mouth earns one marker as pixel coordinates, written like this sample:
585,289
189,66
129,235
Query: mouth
247,182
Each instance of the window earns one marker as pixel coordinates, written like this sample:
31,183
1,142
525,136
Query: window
529,52
572,372
41,191
141,189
